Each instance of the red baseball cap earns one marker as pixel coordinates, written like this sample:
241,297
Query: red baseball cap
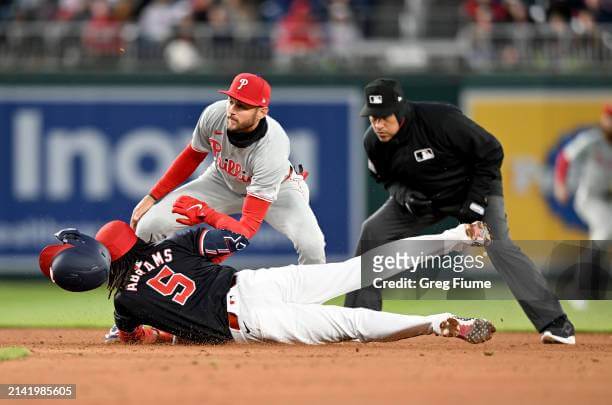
607,108
118,238
250,89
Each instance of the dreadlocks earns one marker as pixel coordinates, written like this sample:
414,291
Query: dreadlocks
121,269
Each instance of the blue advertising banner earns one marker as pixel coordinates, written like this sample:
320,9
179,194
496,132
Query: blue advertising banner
78,157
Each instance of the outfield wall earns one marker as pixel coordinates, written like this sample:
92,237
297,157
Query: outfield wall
79,150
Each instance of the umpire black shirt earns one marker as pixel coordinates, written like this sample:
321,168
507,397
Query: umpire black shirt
439,152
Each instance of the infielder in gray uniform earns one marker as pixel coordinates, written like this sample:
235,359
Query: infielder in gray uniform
593,203
594,193
250,173
572,159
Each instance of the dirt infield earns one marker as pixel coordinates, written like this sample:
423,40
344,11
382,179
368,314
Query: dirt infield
512,368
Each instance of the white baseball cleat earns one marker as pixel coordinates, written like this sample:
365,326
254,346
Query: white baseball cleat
479,233
112,336
472,330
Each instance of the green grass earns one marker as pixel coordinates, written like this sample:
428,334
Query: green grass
42,304
13,352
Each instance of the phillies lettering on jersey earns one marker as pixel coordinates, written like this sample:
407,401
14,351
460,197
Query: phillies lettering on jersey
257,169
227,165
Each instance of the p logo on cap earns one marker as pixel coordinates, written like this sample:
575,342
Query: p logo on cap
243,82
250,89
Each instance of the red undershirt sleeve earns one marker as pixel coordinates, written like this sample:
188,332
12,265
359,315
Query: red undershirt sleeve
561,168
183,166
254,210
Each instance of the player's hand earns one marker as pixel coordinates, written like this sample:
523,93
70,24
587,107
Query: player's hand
193,210
219,244
141,208
146,335
417,203
414,201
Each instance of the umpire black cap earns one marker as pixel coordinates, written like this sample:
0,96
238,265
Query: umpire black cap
383,98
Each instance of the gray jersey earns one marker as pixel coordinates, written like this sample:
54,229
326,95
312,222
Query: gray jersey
594,195
257,169
577,151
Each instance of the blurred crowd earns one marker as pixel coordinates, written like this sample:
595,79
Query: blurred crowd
554,12
558,33
579,16
186,33
288,27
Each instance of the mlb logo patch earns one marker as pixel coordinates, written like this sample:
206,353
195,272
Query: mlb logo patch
423,154
375,99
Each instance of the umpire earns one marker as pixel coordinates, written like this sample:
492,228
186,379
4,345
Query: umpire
435,162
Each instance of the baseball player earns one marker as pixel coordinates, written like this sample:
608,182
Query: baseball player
250,173
593,203
581,172
175,287
593,200
571,160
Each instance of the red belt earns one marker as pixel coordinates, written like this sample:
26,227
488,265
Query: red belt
232,318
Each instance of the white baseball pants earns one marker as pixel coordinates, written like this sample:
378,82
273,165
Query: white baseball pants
284,304
290,214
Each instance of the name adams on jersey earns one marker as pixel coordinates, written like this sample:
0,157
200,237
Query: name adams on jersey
157,259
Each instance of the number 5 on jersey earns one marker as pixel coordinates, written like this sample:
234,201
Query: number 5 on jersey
169,287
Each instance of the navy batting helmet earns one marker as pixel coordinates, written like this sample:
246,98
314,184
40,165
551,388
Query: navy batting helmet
79,263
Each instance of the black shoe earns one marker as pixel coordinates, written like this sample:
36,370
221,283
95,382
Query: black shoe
560,330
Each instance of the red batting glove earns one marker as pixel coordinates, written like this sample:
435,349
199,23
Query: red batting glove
191,208
164,337
145,335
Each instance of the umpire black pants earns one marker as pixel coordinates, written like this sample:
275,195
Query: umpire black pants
393,222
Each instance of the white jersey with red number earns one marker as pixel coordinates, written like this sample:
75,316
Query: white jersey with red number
258,169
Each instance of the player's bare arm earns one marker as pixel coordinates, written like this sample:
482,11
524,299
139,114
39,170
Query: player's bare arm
141,208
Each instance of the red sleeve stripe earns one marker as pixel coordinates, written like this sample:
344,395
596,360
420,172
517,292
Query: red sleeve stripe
198,150
260,197
561,167
201,242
